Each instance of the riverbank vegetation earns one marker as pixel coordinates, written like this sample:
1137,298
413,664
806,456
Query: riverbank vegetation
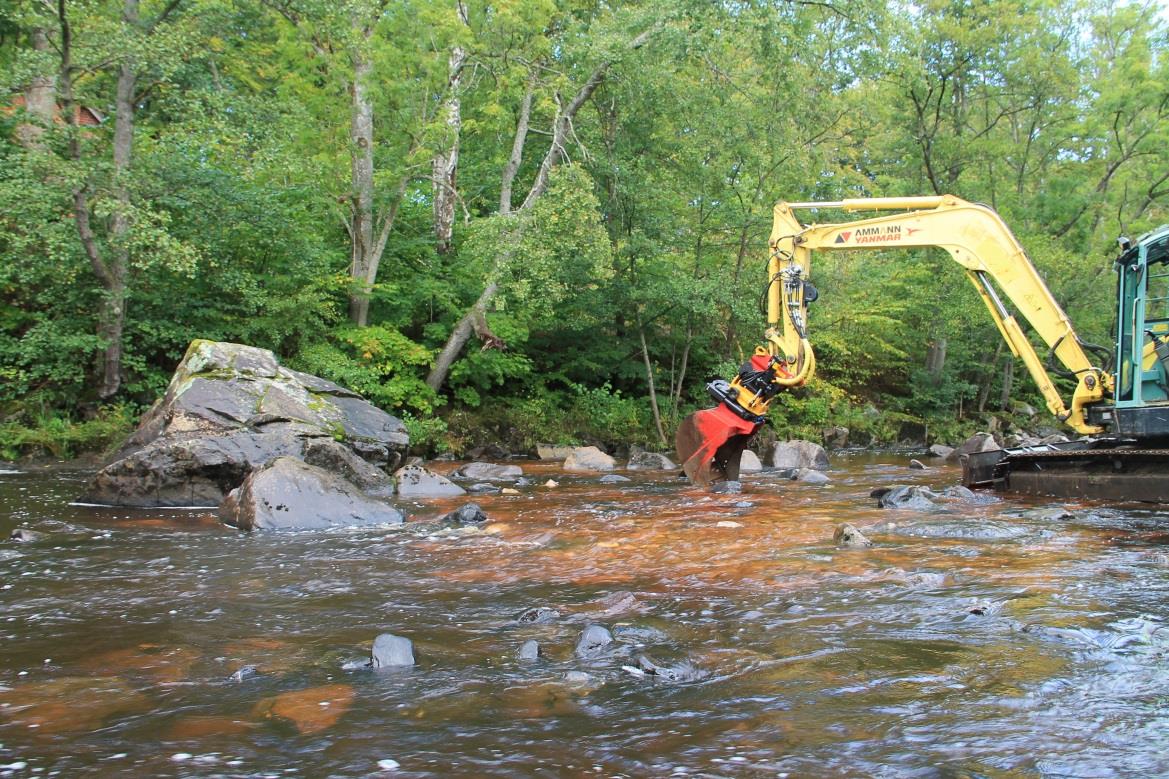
546,219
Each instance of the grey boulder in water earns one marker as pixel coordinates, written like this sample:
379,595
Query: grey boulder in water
231,409
289,494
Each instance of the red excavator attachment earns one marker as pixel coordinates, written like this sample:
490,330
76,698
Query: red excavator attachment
711,442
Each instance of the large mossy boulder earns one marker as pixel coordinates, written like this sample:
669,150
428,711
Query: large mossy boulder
230,410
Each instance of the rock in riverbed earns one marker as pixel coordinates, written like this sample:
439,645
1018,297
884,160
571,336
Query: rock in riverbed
467,514
848,537
641,460
414,481
798,455
593,640
292,495
391,651
232,409
488,472
589,458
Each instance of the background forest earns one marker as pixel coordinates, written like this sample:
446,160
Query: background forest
521,220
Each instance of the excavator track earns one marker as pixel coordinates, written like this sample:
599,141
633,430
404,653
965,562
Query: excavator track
1094,470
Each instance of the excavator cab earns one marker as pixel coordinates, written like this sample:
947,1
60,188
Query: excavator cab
1141,405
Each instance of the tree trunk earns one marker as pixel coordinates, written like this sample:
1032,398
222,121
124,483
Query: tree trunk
517,151
935,357
560,131
988,377
1008,381
446,163
363,256
458,339
112,318
40,99
649,378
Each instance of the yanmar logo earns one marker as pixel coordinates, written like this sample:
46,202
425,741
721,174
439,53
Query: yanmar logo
878,234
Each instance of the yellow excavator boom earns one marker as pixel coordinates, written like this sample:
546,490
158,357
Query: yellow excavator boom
977,239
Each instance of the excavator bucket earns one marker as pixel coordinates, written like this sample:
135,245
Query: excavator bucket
710,444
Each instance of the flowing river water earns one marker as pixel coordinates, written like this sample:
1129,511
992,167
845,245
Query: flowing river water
1001,638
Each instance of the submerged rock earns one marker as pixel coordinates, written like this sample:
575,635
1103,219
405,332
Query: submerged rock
467,514
22,535
917,465
310,711
589,458
291,495
593,640
538,615
529,651
414,481
847,536
391,651
232,409
488,472
727,487
799,454
640,460
811,476
484,488
614,478
679,672
904,496
749,462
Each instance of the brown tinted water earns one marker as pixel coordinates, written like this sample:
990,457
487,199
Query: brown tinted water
995,639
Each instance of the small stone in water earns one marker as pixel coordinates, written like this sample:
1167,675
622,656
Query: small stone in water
179,757
529,651
540,615
551,483
593,640
388,764
917,465
848,536
390,650
728,523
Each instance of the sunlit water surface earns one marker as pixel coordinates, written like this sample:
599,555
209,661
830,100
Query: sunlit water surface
1014,637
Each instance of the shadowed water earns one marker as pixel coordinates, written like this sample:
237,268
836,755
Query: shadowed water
1009,637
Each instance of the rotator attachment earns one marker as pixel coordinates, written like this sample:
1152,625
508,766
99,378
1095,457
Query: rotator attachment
710,442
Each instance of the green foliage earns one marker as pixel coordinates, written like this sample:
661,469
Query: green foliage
379,362
239,196
45,433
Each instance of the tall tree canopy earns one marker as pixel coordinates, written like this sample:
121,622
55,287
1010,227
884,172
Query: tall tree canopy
549,215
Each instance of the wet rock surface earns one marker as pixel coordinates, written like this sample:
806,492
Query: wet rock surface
416,481
289,494
589,458
231,409
847,536
480,471
391,651
467,514
905,497
799,455
593,641
640,460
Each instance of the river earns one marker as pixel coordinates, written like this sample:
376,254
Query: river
1011,637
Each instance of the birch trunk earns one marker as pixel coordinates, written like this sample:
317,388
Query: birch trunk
561,127
446,163
40,100
364,256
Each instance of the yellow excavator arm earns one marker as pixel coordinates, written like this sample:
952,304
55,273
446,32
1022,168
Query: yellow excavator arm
977,239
